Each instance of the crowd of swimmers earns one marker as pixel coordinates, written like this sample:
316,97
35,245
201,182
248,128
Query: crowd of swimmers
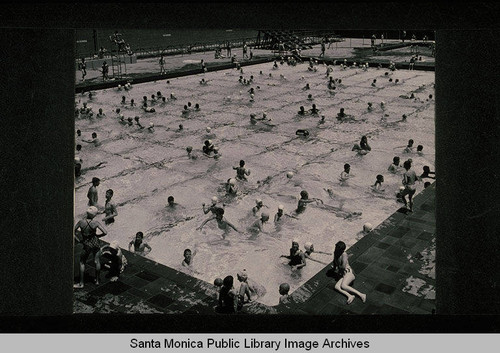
89,230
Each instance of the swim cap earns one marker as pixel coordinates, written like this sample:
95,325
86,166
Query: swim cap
114,244
218,282
289,175
284,288
78,160
307,245
367,227
264,214
281,207
151,124
232,181
208,129
252,115
258,201
209,142
295,240
92,211
243,274
214,200
401,188
189,148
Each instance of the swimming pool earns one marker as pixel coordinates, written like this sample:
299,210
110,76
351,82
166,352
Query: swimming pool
145,168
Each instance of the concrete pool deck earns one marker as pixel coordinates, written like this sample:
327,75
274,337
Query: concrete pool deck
391,264
350,49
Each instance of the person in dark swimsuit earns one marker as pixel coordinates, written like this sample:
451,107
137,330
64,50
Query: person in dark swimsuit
296,257
228,297
304,200
85,232
241,171
109,209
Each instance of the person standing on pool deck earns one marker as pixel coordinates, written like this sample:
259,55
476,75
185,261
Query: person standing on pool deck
409,179
83,67
162,65
86,228
92,193
344,270
105,71
296,257
109,209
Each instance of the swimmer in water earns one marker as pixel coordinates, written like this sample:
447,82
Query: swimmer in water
314,110
138,123
109,209
100,115
301,132
212,208
254,119
378,183
409,148
420,149
222,223
427,173
189,150
296,257
309,249
345,175
171,202
231,188
301,111
258,205
241,171
394,167
92,193
95,141
284,288
341,115
188,259
306,87
304,200
258,225
363,147
208,147
279,214
140,247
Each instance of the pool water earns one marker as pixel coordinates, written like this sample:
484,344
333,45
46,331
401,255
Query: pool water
144,168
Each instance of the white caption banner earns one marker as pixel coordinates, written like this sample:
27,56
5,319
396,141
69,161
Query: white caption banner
248,343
